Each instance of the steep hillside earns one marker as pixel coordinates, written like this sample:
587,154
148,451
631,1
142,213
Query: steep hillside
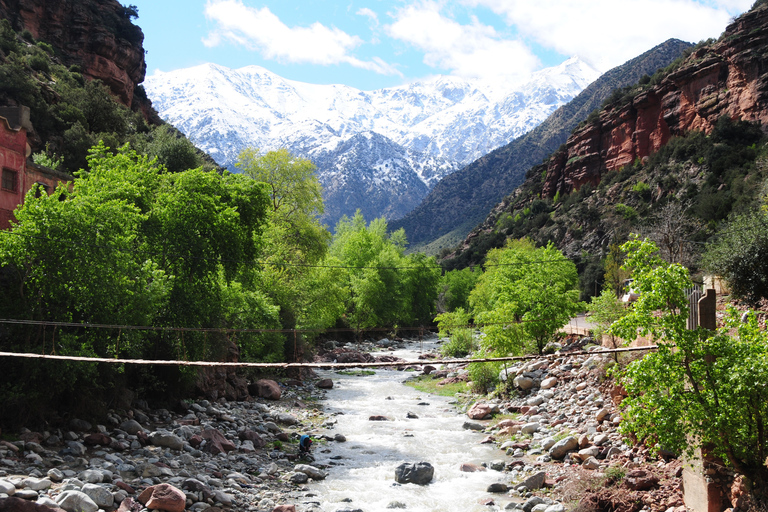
460,201
96,36
77,96
671,156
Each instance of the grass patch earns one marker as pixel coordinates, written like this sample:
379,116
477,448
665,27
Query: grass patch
427,384
356,373
501,417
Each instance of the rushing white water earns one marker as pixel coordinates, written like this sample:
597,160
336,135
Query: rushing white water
362,469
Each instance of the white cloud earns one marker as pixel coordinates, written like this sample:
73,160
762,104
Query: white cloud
260,30
472,50
607,33
368,13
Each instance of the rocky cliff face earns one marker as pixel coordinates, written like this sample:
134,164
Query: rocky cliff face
98,36
728,78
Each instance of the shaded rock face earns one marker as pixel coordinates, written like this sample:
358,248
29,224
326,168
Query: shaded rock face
98,36
727,78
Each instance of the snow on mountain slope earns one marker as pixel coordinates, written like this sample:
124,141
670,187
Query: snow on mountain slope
378,150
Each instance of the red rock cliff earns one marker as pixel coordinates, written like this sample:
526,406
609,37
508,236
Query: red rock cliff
96,35
729,78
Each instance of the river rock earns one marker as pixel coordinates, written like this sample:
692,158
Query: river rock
100,495
216,443
549,382
470,468
284,508
560,448
76,501
591,463
325,384
265,388
311,471
497,488
480,411
641,480
163,497
378,418
530,428
297,478
535,481
132,427
166,440
7,487
523,382
419,473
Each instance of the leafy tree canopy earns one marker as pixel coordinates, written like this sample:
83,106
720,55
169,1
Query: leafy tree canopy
525,295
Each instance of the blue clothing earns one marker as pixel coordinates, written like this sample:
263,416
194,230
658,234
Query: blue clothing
304,443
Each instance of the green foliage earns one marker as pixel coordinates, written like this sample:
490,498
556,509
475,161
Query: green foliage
428,384
709,387
310,295
454,325
738,254
386,287
456,286
605,309
172,150
625,211
484,377
133,245
525,295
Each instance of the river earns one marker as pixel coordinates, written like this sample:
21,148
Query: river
362,469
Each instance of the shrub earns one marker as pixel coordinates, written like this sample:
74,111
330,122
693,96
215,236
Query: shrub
484,376
461,338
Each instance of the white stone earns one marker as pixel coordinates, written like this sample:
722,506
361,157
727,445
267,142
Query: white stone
549,382
7,487
76,501
100,495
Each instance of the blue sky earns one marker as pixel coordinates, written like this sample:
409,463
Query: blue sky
370,44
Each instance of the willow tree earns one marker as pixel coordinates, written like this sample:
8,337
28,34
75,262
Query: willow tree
295,241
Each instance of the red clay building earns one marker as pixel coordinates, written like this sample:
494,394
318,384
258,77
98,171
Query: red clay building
19,174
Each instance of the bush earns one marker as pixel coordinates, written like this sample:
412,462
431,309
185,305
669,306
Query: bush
461,338
484,376
738,255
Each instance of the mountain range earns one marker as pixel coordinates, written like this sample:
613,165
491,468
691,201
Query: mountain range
462,200
378,151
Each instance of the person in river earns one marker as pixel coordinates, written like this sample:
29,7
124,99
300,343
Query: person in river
305,444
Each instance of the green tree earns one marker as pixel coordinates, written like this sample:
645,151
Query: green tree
386,287
310,294
131,244
455,287
738,254
699,387
455,326
605,309
524,296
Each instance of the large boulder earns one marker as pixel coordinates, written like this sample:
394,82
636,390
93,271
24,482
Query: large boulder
216,443
166,440
419,473
265,388
560,448
76,501
163,497
480,411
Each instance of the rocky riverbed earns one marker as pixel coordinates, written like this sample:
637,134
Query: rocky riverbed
557,445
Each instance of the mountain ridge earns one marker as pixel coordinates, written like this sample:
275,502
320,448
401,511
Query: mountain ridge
462,200
446,121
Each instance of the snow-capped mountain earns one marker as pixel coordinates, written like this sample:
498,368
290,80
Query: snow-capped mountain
380,151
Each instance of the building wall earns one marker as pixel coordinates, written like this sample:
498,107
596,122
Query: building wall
13,157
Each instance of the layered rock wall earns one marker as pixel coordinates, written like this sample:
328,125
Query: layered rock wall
728,78
98,36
